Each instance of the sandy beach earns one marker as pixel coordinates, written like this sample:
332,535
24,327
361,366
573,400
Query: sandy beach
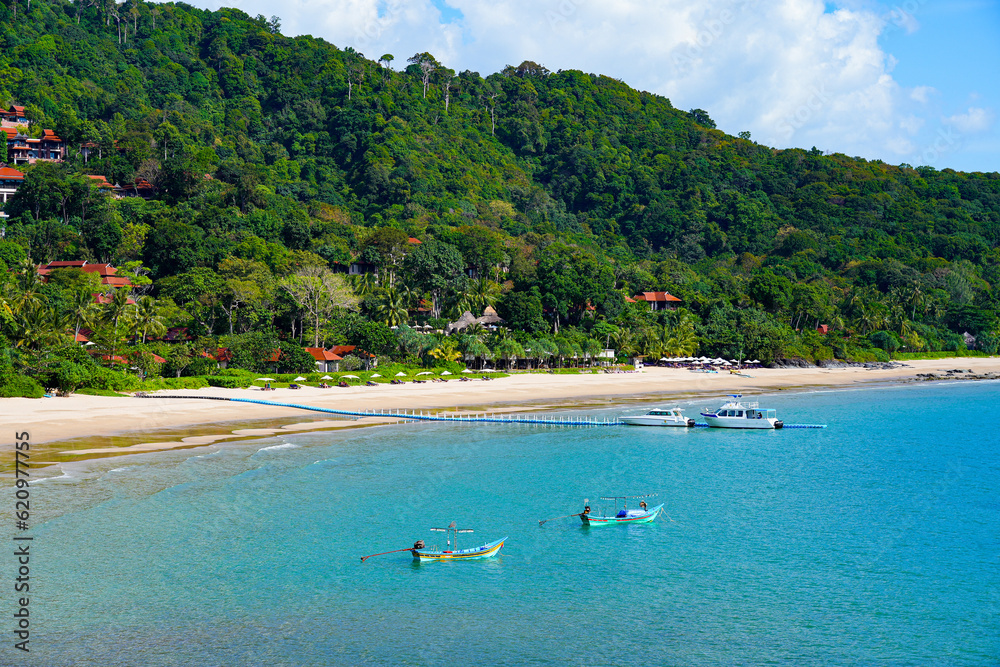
144,424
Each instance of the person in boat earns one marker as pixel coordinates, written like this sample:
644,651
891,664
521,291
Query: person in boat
586,509
642,504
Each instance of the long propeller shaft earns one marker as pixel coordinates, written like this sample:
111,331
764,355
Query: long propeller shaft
364,558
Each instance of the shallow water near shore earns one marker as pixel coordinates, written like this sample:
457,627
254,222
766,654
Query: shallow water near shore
875,540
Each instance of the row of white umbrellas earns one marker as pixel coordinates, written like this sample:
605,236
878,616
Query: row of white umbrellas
377,375
706,360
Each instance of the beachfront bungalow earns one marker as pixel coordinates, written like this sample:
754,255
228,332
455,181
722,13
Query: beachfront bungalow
371,361
222,356
326,361
10,181
658,300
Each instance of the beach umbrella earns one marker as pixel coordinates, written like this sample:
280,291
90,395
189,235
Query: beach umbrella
755,361
353,377
466,371
400,374
266,380
298,379
376,375
734,361
445,372
664,359
425,373
696,362
326,377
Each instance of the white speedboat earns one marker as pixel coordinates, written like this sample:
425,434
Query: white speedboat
660,417
734,414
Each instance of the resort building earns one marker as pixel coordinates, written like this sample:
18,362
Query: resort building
658,300
24,149
13,116
326,361
140,188
10,181
108,273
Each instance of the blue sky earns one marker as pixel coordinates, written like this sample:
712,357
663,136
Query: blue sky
912,81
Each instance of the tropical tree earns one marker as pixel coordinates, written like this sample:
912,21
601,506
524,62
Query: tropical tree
447,350
509,350
474,348
147,319
679,337
319,291
390,307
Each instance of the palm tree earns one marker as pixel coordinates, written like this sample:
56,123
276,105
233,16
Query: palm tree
474,348
447,350
147,318
483,293
591,348
917,299
509,350
624,341
390,307
679,339
365,284
114,311
83,310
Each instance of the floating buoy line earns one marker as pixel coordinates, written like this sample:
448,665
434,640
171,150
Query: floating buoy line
414,415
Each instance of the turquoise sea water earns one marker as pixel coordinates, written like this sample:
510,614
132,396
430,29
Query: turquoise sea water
874,541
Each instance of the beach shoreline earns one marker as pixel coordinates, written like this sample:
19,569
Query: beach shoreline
138,425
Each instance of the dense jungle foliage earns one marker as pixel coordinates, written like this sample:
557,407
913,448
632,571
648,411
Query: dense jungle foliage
552,196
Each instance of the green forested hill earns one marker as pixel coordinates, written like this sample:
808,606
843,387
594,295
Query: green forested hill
565,191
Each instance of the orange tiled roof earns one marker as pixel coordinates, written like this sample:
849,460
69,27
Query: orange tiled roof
116,281
8,174
655,296
66,264
99,181
102,269
319,354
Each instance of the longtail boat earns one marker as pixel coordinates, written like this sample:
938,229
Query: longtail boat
452,552
624,515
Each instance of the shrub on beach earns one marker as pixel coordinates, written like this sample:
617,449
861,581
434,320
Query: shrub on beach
241,381
112,380
153,384
351,363
13,384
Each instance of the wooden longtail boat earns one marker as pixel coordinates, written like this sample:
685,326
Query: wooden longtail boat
453,552
624,515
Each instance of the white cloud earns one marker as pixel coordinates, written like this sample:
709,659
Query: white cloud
976,119
790,71
911,124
